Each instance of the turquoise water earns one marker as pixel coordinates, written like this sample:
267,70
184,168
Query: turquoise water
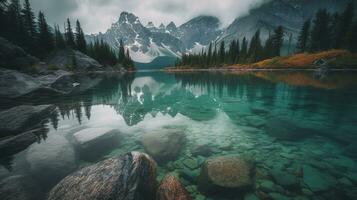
288,122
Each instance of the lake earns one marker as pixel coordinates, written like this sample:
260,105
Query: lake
300,129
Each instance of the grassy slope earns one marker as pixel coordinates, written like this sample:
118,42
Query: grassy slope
334,58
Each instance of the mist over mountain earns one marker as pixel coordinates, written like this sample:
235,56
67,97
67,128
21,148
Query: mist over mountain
150,41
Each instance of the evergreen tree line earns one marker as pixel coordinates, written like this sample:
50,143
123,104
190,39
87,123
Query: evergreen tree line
329,31
237,52
102,52
20,26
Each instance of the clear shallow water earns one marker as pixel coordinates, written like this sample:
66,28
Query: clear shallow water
291,121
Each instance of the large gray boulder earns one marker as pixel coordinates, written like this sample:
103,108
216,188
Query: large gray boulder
21,118
68,59
15,84
52,159
225,173
165,145
127,177
14,57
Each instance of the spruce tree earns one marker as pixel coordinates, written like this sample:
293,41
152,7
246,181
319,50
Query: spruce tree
255,49
80,39
69,35
277,40
320,35
29,20
45,41
244,50
14,27
59,40
222,53
121,52
209,54
304,37
344,26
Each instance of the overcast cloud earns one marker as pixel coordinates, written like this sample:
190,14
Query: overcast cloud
98,15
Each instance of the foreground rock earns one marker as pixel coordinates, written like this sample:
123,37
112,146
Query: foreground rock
52,159
165,145
225,173
14,57
22,118
170,188
127,177
68,59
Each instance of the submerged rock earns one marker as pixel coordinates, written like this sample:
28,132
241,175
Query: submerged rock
286,130
171,189
17,143
52,159
127,177
18,188
316,180
283,178
202,150
226,172
93,143
22,118
164,146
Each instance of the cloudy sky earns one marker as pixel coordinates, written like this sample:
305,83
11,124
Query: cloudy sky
98,15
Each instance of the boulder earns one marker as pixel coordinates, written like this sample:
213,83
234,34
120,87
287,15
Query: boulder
19,187
283,178
127,177
14,57
21,118
93,143
15,84
225,173
283,129
68,59
316,180
17,143
165,145
202,150
52,159
170,188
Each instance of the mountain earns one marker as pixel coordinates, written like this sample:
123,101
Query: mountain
149,42
144,43
289,13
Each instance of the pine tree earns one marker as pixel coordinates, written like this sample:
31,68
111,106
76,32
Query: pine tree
255,49
277,40
209,54
352,38
29,20
80,39
344,26
334,32
244,50
69,35
121,52
14,24
304,37
268,48
59,40
222,53
320,35
45,41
